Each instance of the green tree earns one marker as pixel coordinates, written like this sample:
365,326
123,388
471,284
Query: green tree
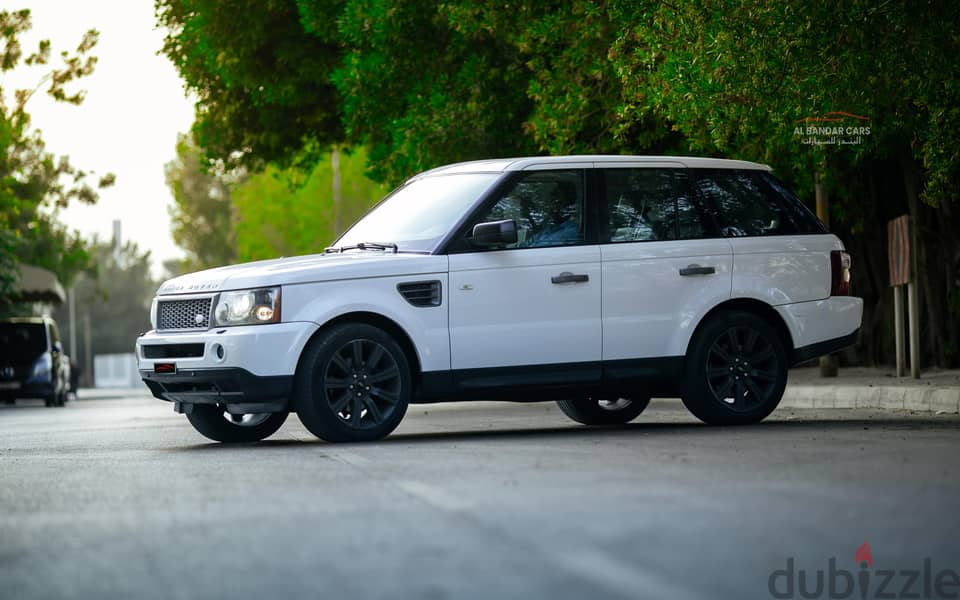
202,215
284,212
262,81
35,184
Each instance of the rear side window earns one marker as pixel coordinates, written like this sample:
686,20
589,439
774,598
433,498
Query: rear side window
649,204
746,203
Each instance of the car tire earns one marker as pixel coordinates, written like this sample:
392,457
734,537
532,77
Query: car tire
353,384
597,411
212,422
735,371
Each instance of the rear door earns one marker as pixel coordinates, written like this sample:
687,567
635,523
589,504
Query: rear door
661,269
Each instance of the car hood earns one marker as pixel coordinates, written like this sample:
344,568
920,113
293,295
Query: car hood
305,269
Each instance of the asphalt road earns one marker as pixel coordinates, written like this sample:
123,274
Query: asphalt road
122,499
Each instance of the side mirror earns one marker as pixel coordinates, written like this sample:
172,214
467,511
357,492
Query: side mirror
57,348
495,233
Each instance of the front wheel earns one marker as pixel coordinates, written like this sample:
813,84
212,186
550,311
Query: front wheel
736,370
593,411
353,384
220,426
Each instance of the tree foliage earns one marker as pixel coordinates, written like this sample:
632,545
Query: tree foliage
284,212
115,296
202,215
263,82
34,183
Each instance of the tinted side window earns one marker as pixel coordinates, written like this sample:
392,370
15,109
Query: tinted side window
649,204
803,219
746,205
641,204
548,207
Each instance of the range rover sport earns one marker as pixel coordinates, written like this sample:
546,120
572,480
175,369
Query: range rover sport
594,281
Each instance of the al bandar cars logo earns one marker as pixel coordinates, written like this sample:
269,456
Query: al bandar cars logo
863,582
836,128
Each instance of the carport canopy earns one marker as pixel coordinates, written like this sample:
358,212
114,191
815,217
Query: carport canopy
34,284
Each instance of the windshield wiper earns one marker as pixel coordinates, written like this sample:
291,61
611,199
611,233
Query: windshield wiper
364,246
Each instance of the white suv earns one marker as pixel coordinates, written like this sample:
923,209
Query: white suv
595,281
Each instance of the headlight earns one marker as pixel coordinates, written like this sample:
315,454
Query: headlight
42,367
153,313
247,307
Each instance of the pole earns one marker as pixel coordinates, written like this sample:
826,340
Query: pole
913,310
898,328
72,311
337,195
88,351
828,364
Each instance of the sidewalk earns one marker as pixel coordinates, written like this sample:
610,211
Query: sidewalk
859,387
112,393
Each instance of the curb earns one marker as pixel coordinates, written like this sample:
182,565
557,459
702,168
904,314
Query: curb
916,398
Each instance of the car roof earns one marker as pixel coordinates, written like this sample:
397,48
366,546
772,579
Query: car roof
530,163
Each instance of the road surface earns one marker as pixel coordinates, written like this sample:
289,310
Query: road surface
120,498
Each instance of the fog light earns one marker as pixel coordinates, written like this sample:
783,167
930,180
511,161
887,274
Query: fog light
219,351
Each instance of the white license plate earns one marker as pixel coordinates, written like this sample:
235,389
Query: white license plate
9,385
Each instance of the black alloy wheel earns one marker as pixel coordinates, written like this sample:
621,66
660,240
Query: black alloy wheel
736,370
353,384
595,411
212,421
362,384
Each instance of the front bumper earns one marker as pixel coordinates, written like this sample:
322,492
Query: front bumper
250,365
238,389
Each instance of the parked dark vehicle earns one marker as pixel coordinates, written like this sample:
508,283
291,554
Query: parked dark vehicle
32,362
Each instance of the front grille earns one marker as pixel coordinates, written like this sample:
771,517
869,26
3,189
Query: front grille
421,293
183,314
172,350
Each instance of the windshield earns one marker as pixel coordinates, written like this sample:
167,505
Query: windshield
21,343
417,215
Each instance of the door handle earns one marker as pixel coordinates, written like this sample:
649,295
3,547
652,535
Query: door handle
696,270
568,277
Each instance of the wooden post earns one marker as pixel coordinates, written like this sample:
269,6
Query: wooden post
902,256
828,363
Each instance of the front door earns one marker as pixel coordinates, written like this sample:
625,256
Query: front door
530,311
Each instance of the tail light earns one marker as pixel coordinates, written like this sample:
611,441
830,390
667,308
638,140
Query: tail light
839,273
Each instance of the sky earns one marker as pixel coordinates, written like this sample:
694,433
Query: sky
128,124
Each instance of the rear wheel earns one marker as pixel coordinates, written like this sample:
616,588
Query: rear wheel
353,384
594,411
736,370
218,425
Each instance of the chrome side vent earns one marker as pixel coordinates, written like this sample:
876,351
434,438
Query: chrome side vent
421,293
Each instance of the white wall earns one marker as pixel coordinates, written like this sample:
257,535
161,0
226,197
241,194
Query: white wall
116,371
